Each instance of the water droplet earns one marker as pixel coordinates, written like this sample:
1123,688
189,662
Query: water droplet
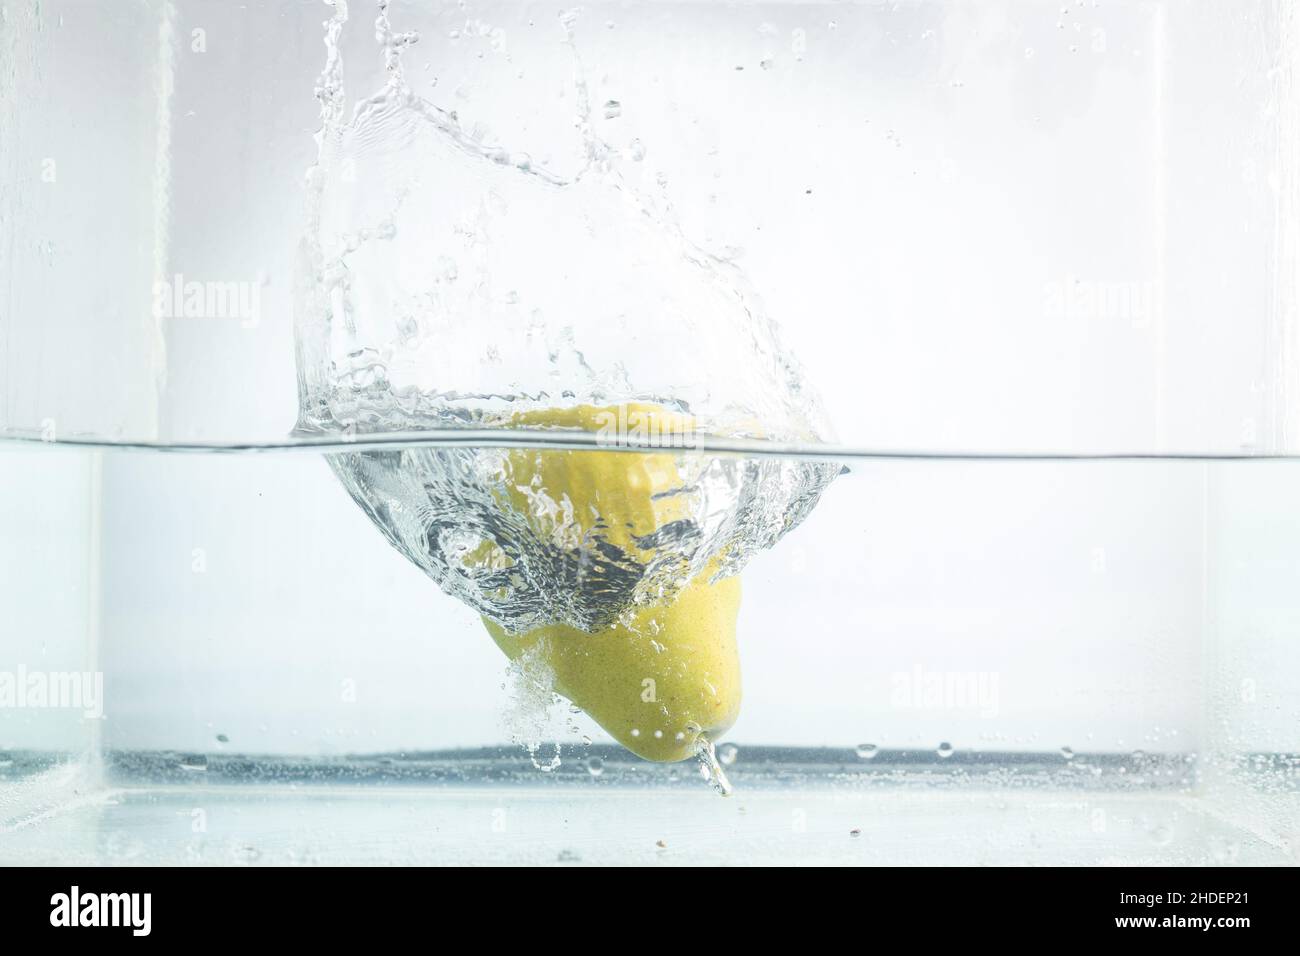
945,750
727,754
867,751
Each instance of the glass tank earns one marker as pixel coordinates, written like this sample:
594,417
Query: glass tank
649,433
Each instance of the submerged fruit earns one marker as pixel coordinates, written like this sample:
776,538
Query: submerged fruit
655,684
660,676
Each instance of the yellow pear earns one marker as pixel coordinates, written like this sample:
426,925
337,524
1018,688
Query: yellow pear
665,674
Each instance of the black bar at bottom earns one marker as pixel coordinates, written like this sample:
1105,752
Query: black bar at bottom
336,904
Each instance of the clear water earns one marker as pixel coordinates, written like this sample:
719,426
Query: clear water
962,662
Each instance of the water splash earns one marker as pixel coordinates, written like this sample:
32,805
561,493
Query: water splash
435,292
711,768
451,512
447,282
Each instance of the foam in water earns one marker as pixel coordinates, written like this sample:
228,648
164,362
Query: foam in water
445,283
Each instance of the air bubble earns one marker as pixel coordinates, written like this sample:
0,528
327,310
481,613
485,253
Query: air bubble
944,750
867,751
727,754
